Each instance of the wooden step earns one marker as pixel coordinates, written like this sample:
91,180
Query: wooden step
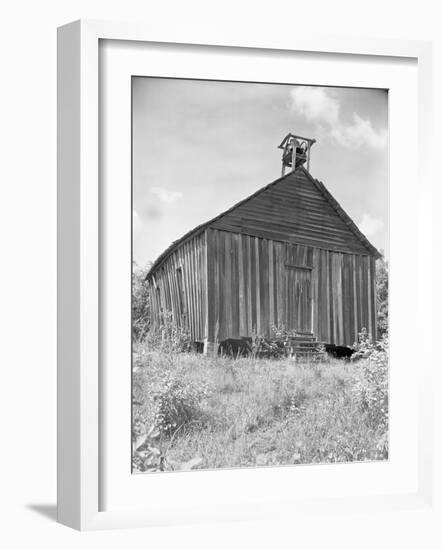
306,348
307,344
313,354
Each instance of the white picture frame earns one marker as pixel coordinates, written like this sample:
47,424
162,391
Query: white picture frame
81,413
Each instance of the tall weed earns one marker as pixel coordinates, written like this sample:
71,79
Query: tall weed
371,381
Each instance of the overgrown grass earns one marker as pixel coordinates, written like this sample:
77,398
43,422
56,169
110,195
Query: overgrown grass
192,411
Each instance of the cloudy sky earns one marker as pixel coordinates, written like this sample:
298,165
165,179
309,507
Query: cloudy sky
200,147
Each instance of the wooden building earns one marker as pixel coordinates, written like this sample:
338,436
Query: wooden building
288,255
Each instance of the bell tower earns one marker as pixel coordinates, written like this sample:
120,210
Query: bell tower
296,152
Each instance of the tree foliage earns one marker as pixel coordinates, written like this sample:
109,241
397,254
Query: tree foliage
382,289
140,302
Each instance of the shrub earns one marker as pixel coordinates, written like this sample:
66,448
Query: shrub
146,454
371,379
169,338
256,411
177,403
382,290
140,303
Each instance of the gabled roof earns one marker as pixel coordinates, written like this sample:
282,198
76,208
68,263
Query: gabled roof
320,187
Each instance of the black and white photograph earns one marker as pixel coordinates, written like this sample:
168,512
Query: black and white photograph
260,253
221,293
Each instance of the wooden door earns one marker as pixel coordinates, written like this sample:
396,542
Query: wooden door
299,299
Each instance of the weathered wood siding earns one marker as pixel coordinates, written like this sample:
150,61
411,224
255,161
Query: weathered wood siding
294,209
253,284
179,286
286,255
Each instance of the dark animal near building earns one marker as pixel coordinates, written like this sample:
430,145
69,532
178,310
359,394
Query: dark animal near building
339,352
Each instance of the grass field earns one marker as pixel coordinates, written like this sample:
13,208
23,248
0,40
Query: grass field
191,411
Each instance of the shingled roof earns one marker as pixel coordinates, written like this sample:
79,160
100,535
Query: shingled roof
320,187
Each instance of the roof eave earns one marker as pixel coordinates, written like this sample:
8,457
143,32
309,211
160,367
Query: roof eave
343,215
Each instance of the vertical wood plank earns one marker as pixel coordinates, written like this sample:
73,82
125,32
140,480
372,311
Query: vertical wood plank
191,271
321,298
374,299
248,283
209,290
241,278
279,260
314,301
341,323
330,302
227,291
189,294
257,285
191,251
354,299
371,300
198,275
264,286
334,296
200,281
235,310
222,263
176,289
360,293
171,295
216,284
253,285
271,282
366,297
346,300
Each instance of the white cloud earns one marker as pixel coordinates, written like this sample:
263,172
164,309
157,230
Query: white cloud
166,195
315,105
359,133
369,225
319,107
